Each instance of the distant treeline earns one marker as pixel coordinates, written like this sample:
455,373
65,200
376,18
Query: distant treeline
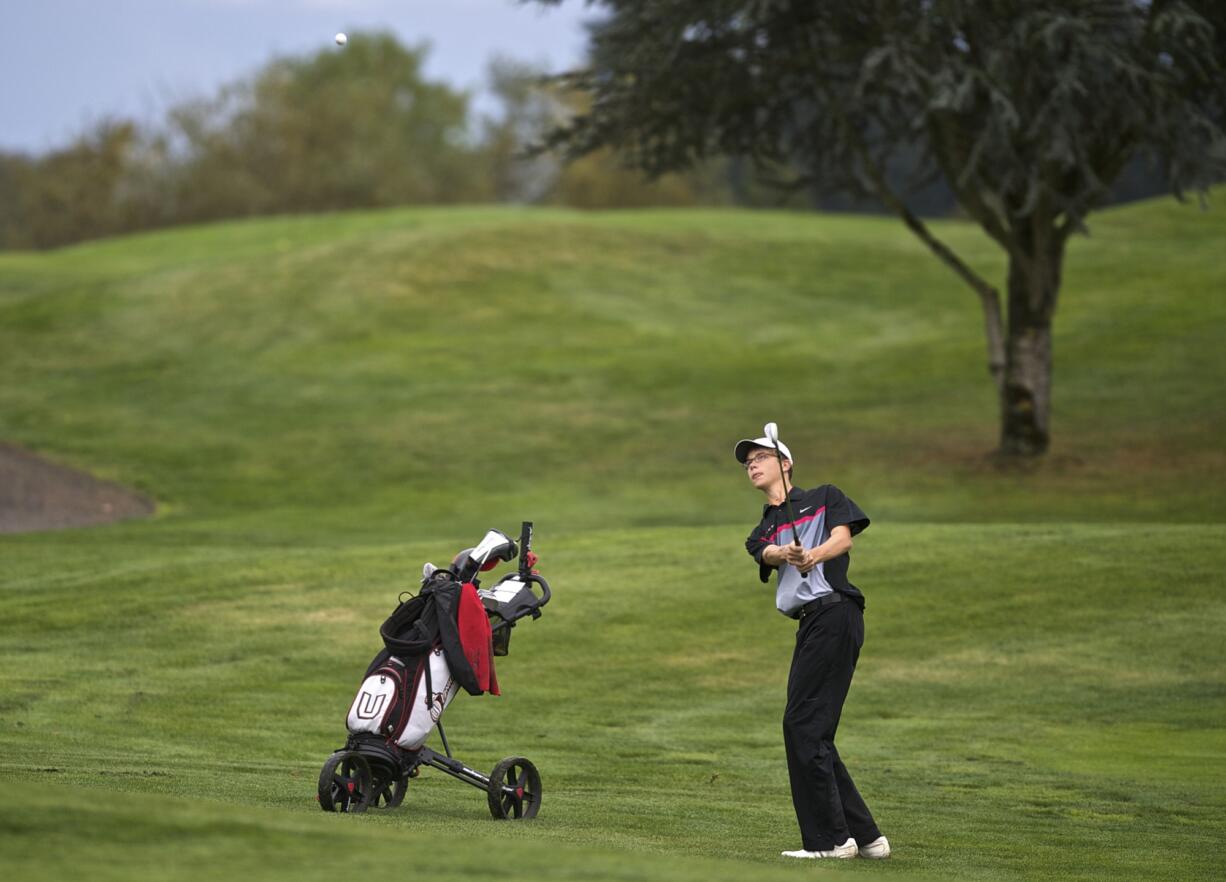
357,128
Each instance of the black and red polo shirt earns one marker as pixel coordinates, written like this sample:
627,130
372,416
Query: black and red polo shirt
817,511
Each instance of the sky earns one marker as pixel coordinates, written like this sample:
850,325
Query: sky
66,65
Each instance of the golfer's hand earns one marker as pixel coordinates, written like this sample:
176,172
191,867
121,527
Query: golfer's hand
797,557
803,560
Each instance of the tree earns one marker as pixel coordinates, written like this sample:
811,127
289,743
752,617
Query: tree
73,193
529,109
360,127
14,173
531,106
1030,109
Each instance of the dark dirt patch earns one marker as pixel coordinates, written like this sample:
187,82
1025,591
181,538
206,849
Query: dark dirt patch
39,495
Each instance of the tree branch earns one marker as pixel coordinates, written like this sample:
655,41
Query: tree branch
989,296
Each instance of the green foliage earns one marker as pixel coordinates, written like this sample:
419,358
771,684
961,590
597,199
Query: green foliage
69,194
1029,109
528,108
360,127
531,107
1019,104
14,169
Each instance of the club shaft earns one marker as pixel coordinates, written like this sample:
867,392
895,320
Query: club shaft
787,496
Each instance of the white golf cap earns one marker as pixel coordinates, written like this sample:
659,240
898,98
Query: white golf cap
741,451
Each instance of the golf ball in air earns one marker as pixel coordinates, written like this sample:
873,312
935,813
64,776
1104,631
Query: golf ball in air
341,39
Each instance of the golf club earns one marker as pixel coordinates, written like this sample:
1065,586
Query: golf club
771,431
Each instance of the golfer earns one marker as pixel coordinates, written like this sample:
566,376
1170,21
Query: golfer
812,588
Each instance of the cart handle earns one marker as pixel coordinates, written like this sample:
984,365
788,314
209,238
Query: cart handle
539,580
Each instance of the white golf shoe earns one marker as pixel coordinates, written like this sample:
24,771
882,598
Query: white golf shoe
846,850
879,848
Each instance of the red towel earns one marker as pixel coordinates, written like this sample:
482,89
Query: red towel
476,638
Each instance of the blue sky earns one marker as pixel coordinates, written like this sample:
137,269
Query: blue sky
66,64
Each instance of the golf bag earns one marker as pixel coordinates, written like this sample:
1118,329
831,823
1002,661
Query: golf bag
435,642
409,683
391,701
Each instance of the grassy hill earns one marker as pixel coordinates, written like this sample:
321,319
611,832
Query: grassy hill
320,404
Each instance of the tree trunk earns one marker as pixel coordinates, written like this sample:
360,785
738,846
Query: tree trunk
1034,283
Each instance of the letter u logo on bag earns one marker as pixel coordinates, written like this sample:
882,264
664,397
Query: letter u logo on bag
370,705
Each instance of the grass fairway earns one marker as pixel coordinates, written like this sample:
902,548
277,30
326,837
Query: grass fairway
321,404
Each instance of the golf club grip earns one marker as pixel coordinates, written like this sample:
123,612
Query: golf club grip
525,546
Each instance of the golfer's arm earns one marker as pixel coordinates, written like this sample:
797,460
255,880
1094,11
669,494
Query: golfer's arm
774,555
838,543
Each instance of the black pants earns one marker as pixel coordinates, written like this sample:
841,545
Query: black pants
828,806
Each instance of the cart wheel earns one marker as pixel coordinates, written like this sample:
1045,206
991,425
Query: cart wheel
345,783
515,789
388,792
